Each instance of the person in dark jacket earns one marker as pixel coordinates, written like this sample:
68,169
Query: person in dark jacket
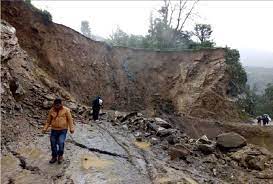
265,119
96,106
259,120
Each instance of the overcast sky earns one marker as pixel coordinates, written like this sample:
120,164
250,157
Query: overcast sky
245,25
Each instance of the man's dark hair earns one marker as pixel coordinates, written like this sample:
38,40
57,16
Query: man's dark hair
58,100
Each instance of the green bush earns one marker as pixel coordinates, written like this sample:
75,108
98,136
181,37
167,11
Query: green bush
237,84
205,44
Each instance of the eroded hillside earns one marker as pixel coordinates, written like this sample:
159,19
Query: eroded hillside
124,147
193,83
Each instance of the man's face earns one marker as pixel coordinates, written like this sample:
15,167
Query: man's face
58,106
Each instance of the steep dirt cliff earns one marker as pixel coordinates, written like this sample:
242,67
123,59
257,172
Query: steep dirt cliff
190,82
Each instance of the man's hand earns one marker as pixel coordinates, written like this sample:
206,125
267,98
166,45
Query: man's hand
72,131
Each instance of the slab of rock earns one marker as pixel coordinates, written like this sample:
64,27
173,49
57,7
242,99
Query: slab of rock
163,132
162,123
230,140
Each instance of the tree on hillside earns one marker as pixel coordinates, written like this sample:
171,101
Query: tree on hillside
167,29
119,38
202,32
85,29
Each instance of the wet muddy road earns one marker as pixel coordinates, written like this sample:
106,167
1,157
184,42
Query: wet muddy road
95,154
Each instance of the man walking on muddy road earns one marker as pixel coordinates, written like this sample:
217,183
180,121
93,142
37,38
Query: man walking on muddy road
60,119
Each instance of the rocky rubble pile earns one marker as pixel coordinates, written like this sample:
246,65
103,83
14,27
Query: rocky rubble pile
226,156
153,129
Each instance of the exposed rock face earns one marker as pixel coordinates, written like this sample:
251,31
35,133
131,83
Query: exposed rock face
191,83
230,140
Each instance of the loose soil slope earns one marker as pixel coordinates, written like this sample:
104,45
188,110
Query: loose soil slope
190,82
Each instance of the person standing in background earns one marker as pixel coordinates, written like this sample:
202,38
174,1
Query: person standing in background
97,104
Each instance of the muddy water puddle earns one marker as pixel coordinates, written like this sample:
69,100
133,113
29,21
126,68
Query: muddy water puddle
266,142
143,145
89,161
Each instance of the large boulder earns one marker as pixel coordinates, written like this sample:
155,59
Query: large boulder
230,140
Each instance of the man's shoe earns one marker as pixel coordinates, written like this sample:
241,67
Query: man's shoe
53,160
60,159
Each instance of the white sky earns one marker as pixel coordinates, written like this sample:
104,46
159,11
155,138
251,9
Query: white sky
238,24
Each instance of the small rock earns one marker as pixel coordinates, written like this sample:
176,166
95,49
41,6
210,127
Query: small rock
162,123
154,141
139,114
125,127
204,140
138,136
163,132
36,117
47,104
73,106
18,107
230,140
178,151
255,162
49,97
172,139
214,171
206,148
147,134
37,85
152,126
